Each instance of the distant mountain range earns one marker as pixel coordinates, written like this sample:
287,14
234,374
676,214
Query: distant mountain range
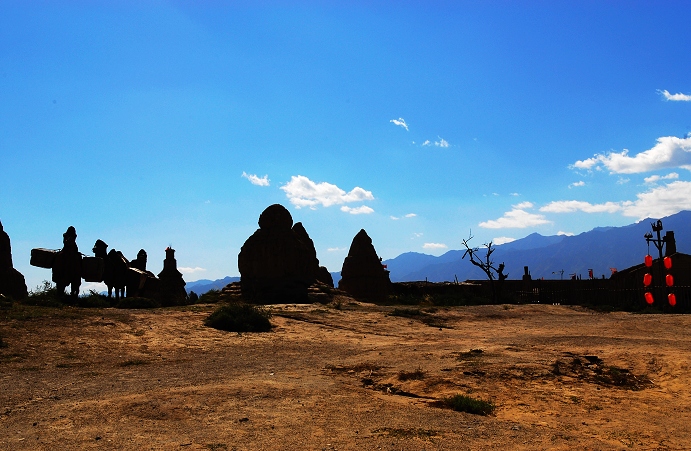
203,285
545,256
599,249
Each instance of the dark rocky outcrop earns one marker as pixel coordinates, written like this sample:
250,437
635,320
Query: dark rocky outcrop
278,262
171,286
320,273
12,283
363,275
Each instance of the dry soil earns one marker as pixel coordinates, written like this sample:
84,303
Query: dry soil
347,376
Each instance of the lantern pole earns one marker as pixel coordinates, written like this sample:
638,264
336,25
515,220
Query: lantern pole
659,245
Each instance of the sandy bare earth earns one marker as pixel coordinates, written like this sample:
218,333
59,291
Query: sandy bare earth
354,378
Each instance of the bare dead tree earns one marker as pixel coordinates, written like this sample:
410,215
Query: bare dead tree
485,263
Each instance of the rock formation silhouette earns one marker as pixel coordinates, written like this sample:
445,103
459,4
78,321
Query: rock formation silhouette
171,285
278,262
67,264
363,275
320,273
140,282
12,283
140,261
115,268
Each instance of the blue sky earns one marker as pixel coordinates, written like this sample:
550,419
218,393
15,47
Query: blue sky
149,124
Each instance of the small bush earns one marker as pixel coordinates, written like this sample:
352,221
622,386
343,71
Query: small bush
463,403
240,318
45,295
93,300
137,303
192,298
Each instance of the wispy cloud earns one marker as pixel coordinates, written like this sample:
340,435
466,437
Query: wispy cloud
570,206
409,215
514,194
656,178
523,205
679,97
441,143
517,218
187,270
255,180
669,152
576,184
416,235
361,210
655,203
336,249
562,233
502,240
303,192
434,246
400,122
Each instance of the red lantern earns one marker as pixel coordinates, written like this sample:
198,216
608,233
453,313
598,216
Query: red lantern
647,280
672,299
648,261
649,297
668,262
669,280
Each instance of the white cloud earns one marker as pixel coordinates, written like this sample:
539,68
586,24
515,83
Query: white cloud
660,201
410,215
623,181
434,246
575,184
562,233
502,240
335,249
416,235
656,178
517,218
441,143
303,192
361,210
514,194
255,180
570,206
400,122
669,152
523,205
394,218
679,97
186,270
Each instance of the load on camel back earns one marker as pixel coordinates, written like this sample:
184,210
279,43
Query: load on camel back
69,267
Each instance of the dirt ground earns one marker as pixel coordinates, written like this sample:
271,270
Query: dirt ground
359,377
